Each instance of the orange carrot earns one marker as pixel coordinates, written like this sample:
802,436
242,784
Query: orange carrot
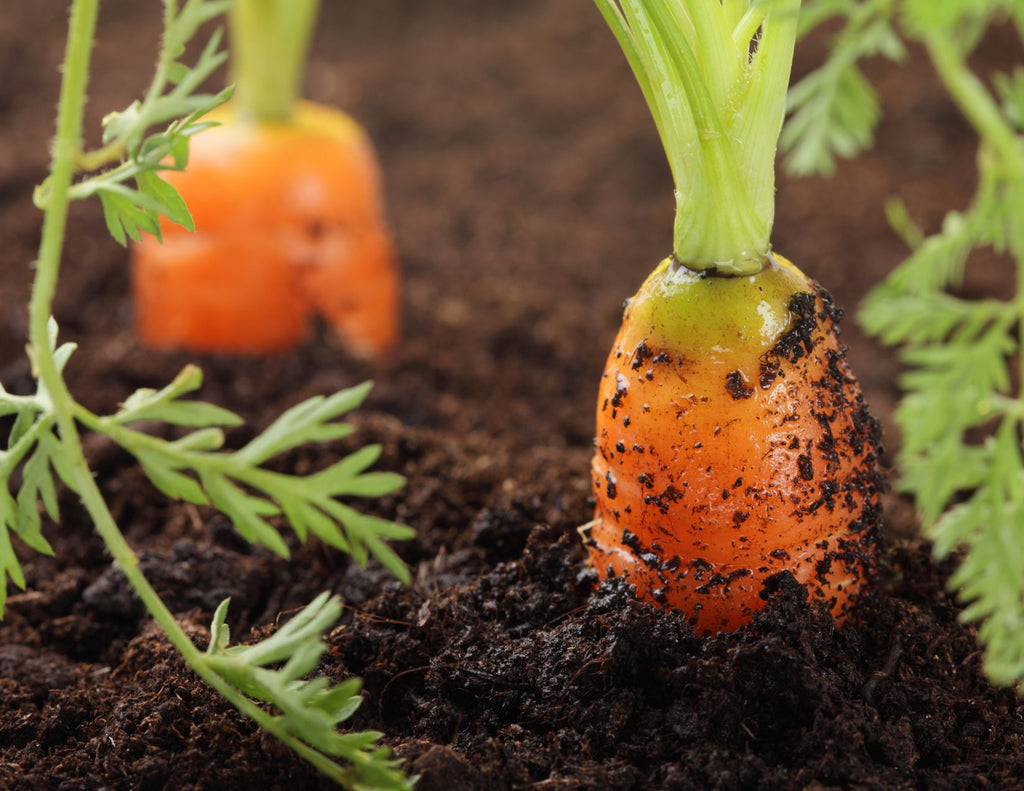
287,206
731,447
732,444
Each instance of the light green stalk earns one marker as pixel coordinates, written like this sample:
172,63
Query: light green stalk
719,109
269,47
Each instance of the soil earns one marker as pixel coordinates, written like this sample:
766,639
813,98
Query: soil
529,197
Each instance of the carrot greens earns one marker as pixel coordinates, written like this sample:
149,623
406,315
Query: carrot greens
718,107
44,445
834,110
962,415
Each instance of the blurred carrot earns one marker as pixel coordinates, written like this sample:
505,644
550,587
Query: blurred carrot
287,205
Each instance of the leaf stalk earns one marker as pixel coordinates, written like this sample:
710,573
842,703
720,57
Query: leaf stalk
715,77
269,46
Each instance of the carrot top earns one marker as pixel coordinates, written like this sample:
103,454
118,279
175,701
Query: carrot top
715,76
269,47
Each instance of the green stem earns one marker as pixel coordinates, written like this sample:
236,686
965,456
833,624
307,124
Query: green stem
66,148
719,111
976,103
981,110
269,47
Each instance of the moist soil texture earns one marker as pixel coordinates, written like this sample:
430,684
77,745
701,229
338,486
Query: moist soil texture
529,196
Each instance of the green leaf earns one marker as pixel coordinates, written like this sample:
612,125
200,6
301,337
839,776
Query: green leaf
112,217
177,72
206,439
192,413
310,421
309,711
170,202
834,115
365,533
164,405
37,484
245,511
930,317
126,214
9,565
990,578
305,518
337,482
220,634
195,469
171,482
834,110
22,423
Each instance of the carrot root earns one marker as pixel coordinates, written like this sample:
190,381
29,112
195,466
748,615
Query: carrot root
717,468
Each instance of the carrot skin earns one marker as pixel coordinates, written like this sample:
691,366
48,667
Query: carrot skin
733,444
289,221
226,294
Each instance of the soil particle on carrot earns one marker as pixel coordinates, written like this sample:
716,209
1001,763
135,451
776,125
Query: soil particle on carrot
737,385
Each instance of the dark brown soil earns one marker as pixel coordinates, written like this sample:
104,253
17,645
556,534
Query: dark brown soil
529,196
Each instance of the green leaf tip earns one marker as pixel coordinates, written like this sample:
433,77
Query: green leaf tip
309,713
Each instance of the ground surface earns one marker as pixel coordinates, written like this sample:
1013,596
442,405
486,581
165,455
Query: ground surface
529,197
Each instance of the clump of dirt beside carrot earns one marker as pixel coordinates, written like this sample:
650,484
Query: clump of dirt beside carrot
620,694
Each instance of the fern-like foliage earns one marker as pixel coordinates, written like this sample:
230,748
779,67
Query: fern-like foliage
34,451
308,712
44,447
140,154
834,110
197,469
962,414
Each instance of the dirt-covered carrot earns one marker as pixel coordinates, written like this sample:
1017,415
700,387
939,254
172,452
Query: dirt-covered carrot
289,222
732,441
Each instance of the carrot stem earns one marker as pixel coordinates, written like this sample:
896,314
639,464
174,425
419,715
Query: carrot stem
715,76
269,49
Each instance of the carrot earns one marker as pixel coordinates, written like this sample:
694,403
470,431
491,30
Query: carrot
288,214
732,444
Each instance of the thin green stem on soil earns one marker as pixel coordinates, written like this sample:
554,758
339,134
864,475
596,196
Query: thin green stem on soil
269,47
66,148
